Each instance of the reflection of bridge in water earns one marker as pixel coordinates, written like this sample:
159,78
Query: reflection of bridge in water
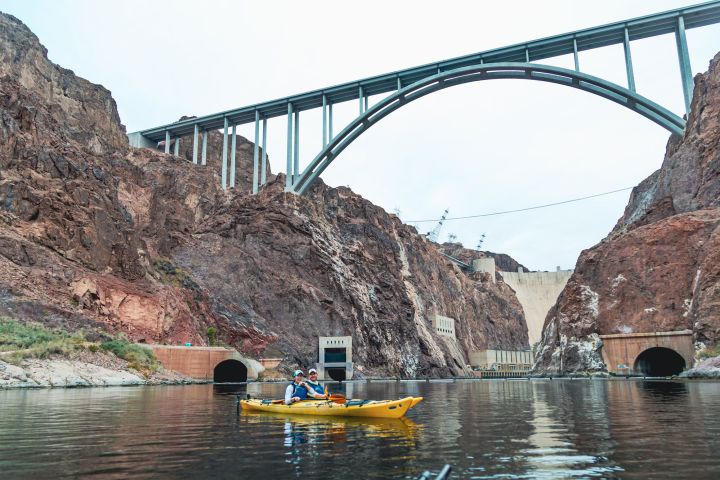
402,87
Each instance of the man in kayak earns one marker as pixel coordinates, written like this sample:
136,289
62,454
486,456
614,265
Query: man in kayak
299,390
313,384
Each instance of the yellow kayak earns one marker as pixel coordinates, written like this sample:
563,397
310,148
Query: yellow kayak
350,408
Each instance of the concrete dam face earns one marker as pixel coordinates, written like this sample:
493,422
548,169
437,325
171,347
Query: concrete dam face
537,292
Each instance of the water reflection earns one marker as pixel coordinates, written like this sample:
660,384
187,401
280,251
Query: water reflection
484,429
663,390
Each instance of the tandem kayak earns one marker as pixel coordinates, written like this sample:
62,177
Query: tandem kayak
349,408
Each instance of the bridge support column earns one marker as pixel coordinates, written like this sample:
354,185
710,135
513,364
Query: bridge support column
288,166
684,58
330,124
296,152
195,144
223,168
628,62
360,98
324,115
575,55
167,142
176,150
263,170
232,156
204,148
256,152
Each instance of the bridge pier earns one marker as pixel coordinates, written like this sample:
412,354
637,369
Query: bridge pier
684,58
263,171
176,147
223,168
232,156
204,148
196,130
288,166
628,62
256,152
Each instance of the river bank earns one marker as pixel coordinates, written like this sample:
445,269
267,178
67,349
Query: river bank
84,369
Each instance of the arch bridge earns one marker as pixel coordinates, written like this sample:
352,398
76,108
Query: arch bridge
519,61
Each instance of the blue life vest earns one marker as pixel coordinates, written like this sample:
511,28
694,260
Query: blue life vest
299,391
317,387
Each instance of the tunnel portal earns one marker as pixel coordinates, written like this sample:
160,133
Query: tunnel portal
230,371
659,362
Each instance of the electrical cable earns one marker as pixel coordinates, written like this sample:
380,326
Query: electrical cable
521,209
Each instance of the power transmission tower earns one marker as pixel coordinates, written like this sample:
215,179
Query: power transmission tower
480,242
435,233
452,237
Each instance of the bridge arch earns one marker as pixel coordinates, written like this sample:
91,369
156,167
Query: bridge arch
230,371
489,71
659,362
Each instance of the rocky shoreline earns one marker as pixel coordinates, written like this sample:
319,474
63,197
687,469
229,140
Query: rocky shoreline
85,369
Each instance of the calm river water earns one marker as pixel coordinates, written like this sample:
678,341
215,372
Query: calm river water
484,429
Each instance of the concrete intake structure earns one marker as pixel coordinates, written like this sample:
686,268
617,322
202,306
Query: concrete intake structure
218,364
537,292
654,354
335,358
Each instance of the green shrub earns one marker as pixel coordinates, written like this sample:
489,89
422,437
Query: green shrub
212,336
138,357
35,341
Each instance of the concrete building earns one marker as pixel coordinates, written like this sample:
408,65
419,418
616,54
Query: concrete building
335,358
444,326
485,265
505,361
537,292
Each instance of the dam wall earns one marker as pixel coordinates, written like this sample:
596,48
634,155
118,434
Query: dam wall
537,292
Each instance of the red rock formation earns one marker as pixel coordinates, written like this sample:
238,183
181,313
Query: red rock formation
659,269
98,235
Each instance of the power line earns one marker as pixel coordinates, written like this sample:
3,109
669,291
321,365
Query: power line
523,209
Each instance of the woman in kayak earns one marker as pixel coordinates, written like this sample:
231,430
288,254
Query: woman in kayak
299,390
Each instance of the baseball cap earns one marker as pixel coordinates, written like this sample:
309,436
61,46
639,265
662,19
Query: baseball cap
312,370
298,372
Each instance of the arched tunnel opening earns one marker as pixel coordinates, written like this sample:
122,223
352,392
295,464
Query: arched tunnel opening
659,362
337,374
230,371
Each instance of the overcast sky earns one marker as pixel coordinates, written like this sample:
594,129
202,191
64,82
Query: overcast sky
477,148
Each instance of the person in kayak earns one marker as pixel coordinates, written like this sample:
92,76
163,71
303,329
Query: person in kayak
313,384
299,390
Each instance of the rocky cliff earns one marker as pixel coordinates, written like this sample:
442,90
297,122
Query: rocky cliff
97,235
659,269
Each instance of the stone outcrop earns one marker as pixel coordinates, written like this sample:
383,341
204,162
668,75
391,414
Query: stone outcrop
97,235
659,269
